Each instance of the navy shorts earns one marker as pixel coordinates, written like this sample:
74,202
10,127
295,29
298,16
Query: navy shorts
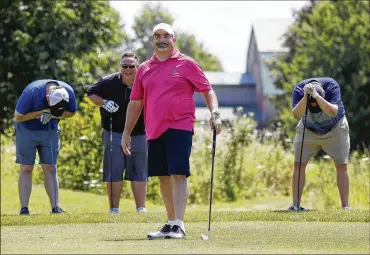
45,142
115,162
169,154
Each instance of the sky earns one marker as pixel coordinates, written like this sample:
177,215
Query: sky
223,27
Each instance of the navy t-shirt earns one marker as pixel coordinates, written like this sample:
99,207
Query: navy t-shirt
321,121
33,98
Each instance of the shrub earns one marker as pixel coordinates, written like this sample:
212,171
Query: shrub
248,164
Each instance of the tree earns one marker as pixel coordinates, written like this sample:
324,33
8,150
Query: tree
153,14
329,39
191,47
71,41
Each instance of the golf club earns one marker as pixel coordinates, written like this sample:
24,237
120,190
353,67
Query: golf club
300,158
54,172
208,236
110,163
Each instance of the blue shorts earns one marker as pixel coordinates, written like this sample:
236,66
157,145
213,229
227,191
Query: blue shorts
135,165
45,142
169,154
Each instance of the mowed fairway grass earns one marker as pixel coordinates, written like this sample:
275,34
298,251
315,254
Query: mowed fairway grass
243,227
232,232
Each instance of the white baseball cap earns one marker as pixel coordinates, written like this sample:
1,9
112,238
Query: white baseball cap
57,95
164,26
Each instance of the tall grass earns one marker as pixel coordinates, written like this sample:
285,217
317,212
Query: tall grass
249,164
252,164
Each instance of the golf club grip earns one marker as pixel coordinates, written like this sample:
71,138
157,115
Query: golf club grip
212,170
214,142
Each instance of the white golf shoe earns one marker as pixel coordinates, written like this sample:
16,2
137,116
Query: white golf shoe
176,233
162,233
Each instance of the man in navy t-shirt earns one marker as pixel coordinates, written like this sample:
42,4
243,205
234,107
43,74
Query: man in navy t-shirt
326,128
37,113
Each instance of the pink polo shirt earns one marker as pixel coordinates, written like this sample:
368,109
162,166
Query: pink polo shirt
167,90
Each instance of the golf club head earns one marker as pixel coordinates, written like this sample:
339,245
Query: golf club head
204,237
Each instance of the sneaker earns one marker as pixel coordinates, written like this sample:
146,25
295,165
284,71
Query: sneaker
176,233
295,208
113,211
57,210
346,208
141,209
162,233
24,211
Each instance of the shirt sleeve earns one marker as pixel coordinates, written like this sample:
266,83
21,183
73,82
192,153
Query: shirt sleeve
333,95
297,94
97,89
137,92
197,77
24,104
72,105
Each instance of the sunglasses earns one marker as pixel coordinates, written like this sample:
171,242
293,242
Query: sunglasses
127,66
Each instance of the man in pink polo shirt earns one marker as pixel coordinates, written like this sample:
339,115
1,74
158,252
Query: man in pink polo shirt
165,86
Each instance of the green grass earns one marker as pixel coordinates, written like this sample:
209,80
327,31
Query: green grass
82,202
254,226
227,237
195,216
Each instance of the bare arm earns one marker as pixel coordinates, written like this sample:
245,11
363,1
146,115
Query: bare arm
133,113
210,99
328,108
300,108
96,100
28,116
68,114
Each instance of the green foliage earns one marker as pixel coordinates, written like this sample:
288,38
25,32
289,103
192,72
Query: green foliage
66,40
329,39
248,165
153,14
80,160
188,45
77,46
150,15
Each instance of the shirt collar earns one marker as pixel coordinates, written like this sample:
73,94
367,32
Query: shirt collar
175,54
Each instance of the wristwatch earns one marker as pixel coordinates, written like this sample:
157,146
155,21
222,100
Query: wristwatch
215,111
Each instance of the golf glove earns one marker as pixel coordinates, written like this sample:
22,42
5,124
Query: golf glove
215,122
110,106
310,90
45,117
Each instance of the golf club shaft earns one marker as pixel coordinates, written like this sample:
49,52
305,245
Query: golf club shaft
300,157
110,158
53,169
211,190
